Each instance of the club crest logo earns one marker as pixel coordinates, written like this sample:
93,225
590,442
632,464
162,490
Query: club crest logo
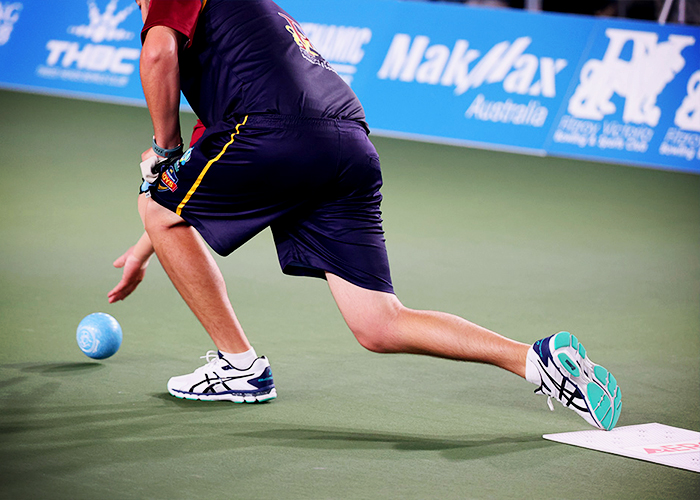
308,51
168,180
185,158
639,81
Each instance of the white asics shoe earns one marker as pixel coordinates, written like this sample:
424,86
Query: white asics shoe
569,376
218,380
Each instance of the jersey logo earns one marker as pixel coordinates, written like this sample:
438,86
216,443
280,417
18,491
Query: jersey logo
308,51
168,180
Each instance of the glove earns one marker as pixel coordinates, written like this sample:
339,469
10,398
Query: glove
150,170
152,167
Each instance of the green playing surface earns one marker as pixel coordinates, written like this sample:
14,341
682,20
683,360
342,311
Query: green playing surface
525,246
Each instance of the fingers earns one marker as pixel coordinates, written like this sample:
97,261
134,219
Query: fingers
119,263
117,293
121,260
122,290
132,275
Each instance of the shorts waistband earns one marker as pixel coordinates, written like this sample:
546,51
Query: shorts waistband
287,121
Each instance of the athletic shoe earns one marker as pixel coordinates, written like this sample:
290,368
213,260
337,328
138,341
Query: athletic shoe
218,380
569,376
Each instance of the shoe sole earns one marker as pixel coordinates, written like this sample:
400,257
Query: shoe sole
231,397
598,386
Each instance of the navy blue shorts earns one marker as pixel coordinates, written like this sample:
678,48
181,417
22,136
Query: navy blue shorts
314,182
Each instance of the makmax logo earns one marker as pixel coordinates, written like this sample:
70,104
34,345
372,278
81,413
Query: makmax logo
463,67
98,62
410,60
9,15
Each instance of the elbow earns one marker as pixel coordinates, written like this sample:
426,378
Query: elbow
160,50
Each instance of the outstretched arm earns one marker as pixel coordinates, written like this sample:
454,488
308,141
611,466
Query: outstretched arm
160,77
134,263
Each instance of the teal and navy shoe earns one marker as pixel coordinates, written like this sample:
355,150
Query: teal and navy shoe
569,376
219,380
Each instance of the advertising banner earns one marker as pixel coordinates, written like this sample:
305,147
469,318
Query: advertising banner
538,83
635,97
72,47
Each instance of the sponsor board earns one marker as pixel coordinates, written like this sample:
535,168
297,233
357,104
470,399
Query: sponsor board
78,47
636,98
9,15
601,89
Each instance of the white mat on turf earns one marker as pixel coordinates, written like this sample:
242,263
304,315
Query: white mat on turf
657,443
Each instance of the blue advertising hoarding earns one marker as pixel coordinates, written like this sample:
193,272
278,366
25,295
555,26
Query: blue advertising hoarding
602,89
72,47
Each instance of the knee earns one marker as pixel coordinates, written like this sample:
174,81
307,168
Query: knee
377,330
158,218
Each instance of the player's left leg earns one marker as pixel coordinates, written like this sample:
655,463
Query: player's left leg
381,323
558,364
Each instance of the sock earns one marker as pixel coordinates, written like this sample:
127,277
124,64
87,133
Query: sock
241,360
532,374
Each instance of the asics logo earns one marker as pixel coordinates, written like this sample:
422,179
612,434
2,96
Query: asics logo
211,383
228,367
566,396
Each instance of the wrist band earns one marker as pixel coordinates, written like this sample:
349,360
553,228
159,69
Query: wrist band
166,153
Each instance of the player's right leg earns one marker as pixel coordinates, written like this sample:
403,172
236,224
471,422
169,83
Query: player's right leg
237,375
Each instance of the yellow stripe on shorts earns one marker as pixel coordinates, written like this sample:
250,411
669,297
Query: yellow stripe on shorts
204,170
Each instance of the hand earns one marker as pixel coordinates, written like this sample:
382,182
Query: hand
133,274
147,154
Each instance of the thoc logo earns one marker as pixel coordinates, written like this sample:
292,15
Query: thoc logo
95,62
342,46
9,15
640,80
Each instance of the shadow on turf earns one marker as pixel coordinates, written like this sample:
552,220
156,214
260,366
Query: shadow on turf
58,368
452,449
190,404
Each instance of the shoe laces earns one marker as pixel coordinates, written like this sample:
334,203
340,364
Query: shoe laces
540,390
212,358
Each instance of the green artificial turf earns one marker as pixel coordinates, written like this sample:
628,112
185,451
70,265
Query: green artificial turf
525,246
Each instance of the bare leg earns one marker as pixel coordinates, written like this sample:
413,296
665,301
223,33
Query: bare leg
382,324
196,276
